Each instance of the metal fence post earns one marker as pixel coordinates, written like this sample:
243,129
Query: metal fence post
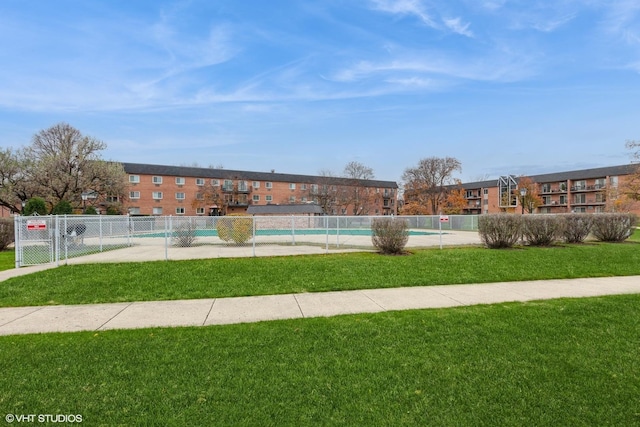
293,230
17,222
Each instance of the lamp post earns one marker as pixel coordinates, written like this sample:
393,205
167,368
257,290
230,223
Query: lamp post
523,194
84,196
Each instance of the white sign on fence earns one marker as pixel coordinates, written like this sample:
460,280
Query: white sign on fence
36,224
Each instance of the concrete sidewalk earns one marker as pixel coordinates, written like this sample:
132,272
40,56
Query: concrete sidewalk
219,311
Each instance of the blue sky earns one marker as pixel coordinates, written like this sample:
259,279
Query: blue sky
507,87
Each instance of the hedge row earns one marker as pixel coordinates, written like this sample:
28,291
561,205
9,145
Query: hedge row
505,230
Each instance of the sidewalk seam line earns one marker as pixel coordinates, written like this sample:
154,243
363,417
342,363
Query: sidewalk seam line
298,304
25,315
114,316
209,312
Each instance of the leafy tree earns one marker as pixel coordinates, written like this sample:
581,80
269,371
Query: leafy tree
532,200
426,183
456,202
35,205
60,164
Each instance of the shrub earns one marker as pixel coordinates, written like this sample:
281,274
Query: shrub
499,230
389,235
541,230
7,233
576,227
184,235
62,208
235,227
90,210
613,227
35,205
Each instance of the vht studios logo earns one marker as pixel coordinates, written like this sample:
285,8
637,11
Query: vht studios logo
43,418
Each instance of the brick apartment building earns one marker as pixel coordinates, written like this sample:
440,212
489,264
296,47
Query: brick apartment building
587,190
177,190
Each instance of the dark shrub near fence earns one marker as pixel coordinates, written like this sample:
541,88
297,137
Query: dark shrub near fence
7,234
500,230
389,235
613,227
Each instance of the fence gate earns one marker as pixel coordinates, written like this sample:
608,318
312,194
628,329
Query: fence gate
35,240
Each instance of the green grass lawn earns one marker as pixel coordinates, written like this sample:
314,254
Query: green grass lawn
166,280
552,363
7,259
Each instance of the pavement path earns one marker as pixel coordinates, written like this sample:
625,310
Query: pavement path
219,311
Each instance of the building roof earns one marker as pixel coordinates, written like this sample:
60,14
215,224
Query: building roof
561,176
164,170
299,209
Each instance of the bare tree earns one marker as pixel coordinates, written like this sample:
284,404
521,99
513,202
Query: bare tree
425,183
356,170
631,187
62,164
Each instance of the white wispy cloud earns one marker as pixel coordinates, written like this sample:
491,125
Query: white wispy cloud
432,18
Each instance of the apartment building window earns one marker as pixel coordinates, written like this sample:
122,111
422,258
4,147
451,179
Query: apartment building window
134,194
180,181
180,211
600,198
303,187
215,182
228,185
303,200
580,210
256,184
580,185
199,182
157,211
268,199
563,200
546,188
243,186
485,191
199,211
292,199
157,195
546,200
180,196
292,186
601,183
580,198
134,211
134,179
563,186
613,181
156,180
314,188
268,185
256,197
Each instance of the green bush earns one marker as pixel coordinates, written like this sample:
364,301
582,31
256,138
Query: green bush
500,230
35,205
90,210
62,208
7,233
235,227
389,235
576,227
541,230
613,227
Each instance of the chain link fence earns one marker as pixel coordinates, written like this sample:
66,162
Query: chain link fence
99,238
